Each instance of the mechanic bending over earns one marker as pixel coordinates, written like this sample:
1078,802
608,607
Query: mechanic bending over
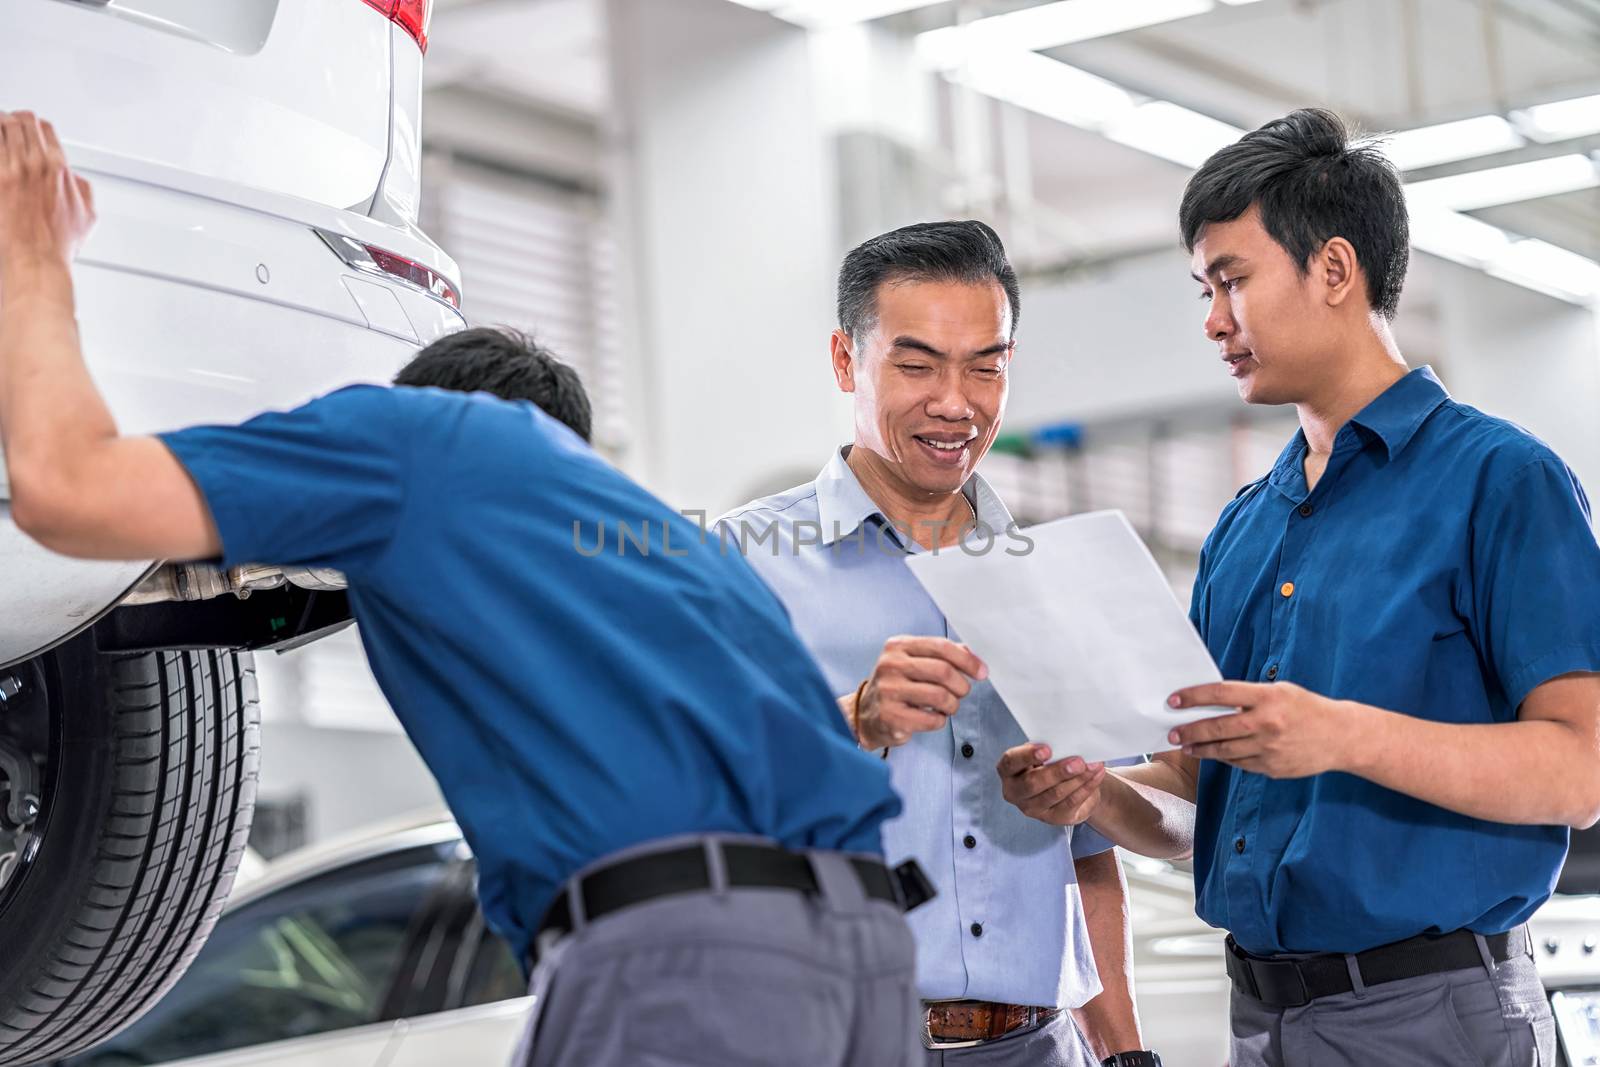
1409,603
927,319
607,730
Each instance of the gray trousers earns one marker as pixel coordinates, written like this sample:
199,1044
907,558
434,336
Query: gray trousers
1498,1018
732,978
1055,1044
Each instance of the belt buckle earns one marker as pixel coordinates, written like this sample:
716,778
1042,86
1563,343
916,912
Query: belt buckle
910,885
933,1044
1278,991
1305,990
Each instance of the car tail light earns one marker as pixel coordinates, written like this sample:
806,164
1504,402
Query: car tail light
412,16
370,259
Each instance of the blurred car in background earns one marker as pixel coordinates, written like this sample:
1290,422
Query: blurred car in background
256,170
366,951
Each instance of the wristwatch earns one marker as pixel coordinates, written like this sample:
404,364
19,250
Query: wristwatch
1132,1059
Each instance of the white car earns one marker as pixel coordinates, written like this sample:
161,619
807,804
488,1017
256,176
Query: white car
366,952
255,165
371,952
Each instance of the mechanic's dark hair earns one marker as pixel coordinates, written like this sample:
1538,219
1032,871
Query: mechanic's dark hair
925,252
1312,182
507,363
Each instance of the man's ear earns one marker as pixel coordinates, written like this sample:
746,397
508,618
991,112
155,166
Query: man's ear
844,361
1339,271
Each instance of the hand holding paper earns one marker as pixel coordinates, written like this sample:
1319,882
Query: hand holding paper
1083,637
1061,794
1277,729
916,685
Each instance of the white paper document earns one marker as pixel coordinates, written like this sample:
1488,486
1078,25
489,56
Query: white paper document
1083,636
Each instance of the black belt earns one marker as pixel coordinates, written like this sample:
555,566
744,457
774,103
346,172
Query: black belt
1294,983
749,866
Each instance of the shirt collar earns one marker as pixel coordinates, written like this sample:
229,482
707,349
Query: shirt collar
842,505
1393,418
1399,410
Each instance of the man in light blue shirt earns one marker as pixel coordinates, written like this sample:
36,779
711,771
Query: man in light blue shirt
1024,911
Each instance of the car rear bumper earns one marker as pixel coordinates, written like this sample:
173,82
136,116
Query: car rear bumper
199,303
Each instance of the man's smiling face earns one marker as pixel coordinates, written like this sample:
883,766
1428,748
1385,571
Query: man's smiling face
930,379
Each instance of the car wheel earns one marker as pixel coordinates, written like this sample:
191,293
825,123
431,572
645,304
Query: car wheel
144,767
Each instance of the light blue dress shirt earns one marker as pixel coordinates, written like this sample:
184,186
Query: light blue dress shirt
1008,923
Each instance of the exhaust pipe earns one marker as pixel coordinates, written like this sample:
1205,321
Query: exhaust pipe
180,582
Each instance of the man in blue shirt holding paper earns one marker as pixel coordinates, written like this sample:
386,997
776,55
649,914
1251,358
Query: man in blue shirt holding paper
666,809
1409,607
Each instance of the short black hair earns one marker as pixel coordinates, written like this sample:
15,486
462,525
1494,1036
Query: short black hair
507,363
1312,181
925,252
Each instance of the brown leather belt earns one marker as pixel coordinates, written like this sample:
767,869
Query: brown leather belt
960,1023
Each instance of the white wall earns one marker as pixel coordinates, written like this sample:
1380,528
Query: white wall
1526,357
348,779
724,180
1123,340
328,737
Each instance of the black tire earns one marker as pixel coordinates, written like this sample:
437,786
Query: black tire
148,793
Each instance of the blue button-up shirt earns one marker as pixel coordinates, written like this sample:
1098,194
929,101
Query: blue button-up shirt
1443,567
827,551
575,689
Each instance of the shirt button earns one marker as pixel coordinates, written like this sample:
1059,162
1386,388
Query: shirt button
1287,589
1305,511
967,750
1238,846
977,929
970,841
1272,672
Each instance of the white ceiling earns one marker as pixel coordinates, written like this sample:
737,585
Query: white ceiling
1385,64
1364,58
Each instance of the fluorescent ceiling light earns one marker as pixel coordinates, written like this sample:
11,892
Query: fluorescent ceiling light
1069,21
834,12
1560,121
1507,185
1447,142
1459,238
1035,29
1063,92
1055,90
1164,129
1530,263
1549,269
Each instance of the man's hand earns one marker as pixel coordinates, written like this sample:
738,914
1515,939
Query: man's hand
1062,794
76,485
1280,729
46,211
917,685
